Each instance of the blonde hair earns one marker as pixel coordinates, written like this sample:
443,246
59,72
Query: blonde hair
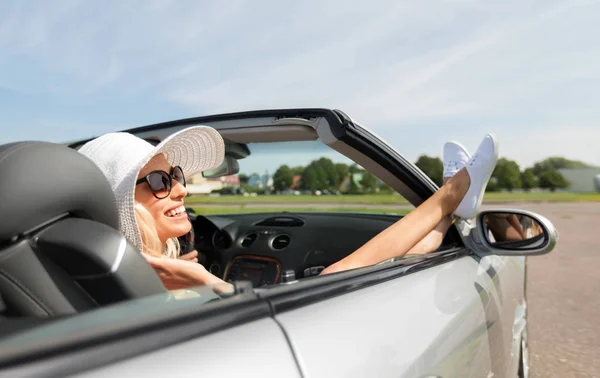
150,241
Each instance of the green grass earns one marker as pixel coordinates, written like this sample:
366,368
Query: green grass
354,199
242,209
387,199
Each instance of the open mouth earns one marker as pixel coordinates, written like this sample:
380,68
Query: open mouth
176,212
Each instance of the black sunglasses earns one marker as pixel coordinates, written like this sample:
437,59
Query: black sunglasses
160,182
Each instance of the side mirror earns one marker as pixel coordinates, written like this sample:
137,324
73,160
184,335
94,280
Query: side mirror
229,166
515,232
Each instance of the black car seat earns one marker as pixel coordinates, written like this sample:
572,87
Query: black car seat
60,248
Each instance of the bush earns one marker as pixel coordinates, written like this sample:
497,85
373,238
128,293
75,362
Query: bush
552,179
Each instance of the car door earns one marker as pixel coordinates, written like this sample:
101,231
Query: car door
438,319
157,336
501,286
256,349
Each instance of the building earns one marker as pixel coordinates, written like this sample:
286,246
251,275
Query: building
296,180
264,182
356,178
582,180
199,184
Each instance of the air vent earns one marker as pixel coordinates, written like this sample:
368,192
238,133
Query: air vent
221,240
248,240
281,222
280,242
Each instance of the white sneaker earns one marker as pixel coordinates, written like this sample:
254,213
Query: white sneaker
456,157
480,168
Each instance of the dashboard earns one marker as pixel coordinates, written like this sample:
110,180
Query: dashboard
270,248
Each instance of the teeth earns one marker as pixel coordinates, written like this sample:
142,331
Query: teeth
176,211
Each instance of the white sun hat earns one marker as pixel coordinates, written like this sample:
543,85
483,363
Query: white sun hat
121,156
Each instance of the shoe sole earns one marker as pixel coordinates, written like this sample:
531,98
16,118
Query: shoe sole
489,176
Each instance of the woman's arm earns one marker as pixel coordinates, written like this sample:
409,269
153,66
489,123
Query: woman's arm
179,274
190,256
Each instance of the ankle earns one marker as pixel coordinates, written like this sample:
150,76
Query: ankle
455,190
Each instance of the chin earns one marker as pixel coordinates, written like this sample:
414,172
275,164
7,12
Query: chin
175,231
180,231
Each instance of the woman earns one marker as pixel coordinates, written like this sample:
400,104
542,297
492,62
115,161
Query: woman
149,187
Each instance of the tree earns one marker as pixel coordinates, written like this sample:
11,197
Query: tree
528,179
310,179
321,174
297,170
492,185
329,173
384,188
369,182
556,163
432,167
552,179
243,178
354,168
507,174
283,178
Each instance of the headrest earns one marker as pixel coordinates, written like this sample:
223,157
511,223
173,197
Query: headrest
41,181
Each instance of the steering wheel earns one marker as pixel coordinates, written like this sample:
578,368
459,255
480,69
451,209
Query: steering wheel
187,241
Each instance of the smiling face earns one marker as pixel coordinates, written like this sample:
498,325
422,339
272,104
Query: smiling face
168,213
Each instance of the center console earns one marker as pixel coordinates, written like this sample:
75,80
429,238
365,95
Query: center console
257,269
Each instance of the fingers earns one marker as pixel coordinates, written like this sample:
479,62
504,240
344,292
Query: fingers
191,256
188,258
223,288
154,261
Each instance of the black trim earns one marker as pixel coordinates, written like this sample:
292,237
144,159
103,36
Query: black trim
10,325
311,290
381,154
369,145
88,350
521,245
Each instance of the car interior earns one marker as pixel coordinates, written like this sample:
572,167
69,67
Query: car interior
279,247
61,252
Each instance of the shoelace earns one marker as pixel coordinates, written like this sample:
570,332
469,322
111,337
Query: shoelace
473,159
452,165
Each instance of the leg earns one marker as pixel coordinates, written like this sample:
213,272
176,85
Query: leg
461,195
503,229
412,228
433,240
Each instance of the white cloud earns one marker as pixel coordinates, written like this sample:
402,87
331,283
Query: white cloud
405,69
573,141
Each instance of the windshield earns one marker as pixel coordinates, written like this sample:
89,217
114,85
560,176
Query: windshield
302,176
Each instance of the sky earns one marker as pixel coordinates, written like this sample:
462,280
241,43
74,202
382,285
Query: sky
417,73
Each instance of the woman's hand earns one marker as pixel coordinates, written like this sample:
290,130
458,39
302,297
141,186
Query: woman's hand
179,274
190,256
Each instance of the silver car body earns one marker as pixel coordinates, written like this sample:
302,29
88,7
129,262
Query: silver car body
458,313
461,319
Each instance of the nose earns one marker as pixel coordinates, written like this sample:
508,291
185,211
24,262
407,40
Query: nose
178,191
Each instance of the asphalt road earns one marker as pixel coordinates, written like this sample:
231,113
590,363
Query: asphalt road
563,292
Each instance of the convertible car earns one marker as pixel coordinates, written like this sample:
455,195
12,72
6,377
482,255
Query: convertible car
77,299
